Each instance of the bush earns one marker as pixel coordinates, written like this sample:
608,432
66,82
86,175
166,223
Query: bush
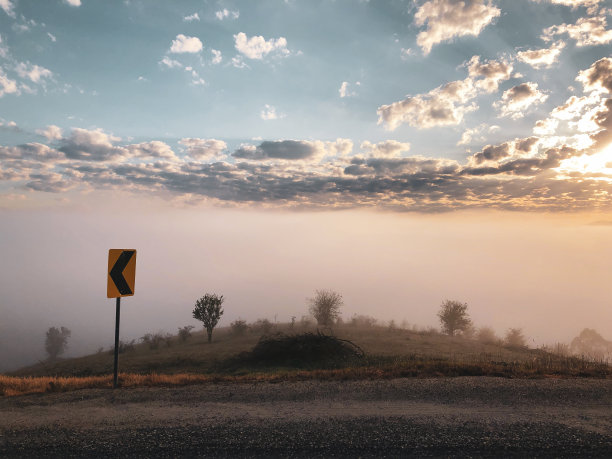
302,350
153,340
124,346
486,335
184,333
514,338
362,321
325,307
56,341
239,327
262,327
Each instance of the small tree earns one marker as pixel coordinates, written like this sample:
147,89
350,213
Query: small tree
486,335
56,341
184,333
208,311
454,317
325,307
239,327
515,338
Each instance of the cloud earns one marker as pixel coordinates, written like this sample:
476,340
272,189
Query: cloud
153,149
33,72
447,19
51,37
588,31
519,99
7,86
217,57
170,63
269,113
257,47
282,149
204,148
186,44
344,89
541,58
73,2
225,13
192,17
446,105
8,7
385,149
91,145
598,77
52,132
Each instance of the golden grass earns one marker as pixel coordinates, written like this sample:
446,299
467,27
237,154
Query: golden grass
545,366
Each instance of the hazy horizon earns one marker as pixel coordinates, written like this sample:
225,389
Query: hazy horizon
401,153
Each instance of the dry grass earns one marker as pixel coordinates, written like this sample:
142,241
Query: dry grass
390,353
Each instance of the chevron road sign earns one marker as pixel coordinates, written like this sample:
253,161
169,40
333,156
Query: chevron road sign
121,273
120,279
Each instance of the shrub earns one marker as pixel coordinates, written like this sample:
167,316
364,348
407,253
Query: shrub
325,307
486,335
152,340
262,327
239,327
184,333
362,321
124,346
514,338
56,341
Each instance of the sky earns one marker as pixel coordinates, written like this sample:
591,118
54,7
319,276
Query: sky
399,152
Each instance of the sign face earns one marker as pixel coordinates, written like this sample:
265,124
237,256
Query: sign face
121,274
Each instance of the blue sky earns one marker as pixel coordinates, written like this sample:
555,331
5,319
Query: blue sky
402,94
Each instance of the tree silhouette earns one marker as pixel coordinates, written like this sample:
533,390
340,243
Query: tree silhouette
56,341
325,307
208,311
454,317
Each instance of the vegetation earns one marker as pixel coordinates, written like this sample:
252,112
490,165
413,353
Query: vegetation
184,333
591,344
239,327
454,317
486,335
56,341
514,338
208,310
325,307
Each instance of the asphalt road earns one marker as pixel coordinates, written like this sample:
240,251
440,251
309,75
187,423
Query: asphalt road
449,417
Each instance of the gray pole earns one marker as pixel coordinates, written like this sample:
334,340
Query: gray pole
116,341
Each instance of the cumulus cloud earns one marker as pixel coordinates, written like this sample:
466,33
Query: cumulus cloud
204,149
186,44
257,47
153,149
281,149
541,58
225,13
91,145
170,63
52,132
73,2
217,57
588,31
268,113
519,99
448,19
385,149
446,105
8,7
598,77
7,86
192,17
33,72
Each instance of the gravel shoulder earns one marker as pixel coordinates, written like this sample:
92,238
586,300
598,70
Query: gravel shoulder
470,416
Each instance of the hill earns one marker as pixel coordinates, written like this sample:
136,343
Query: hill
391,351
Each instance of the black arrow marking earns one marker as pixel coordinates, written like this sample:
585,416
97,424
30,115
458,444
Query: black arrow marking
116,273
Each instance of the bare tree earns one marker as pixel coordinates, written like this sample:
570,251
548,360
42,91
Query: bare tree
56,341
208,311
454,317
325,307
184,333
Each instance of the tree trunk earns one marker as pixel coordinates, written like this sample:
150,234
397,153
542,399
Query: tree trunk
209,335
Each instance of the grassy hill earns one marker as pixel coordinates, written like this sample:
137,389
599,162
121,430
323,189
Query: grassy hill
390,351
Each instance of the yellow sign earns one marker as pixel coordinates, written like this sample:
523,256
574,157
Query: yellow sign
121,274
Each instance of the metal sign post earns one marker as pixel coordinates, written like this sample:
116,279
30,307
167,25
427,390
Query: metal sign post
121,277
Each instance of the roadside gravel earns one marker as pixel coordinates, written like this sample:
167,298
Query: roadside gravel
459,417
